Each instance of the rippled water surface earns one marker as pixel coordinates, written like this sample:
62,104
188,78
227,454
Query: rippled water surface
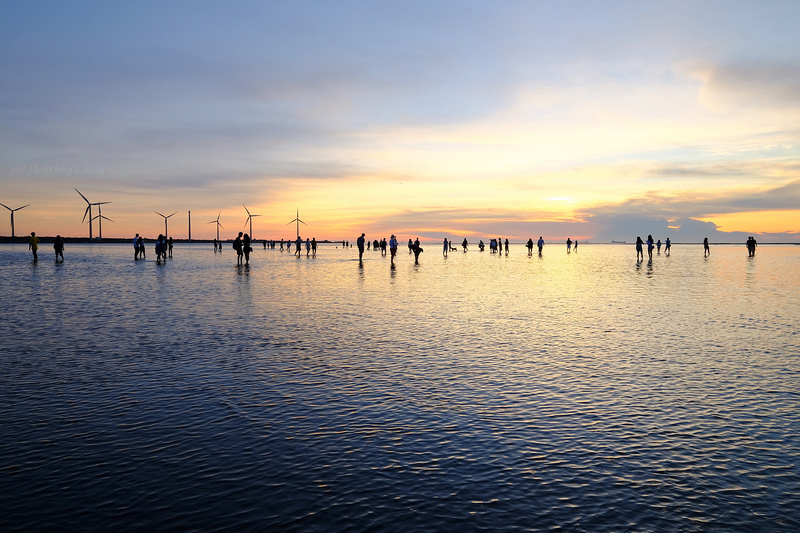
581,392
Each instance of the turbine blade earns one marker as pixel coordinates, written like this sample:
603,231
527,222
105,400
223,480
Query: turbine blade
157,213
86,213
82,196
245,208
4,205
175,213
23,207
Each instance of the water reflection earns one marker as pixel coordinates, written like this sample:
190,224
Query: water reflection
315,395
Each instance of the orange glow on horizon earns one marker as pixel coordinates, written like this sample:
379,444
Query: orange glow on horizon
776,221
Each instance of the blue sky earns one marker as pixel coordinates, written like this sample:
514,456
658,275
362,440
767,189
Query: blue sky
594,120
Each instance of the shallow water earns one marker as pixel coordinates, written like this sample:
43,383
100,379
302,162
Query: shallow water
582,392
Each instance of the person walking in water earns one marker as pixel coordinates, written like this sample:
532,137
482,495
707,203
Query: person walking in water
706,249
445,247
58,246
529,245
360,246
639,251
658,246
417,249
169,245
308,246
667,246
136,247
464,244
297,245
540,244
575,246
393,247
246,249
237,245
314,247
33,246
142,251
650,245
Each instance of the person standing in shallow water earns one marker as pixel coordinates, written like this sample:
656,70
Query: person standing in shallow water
237,245
33,246
142,251
136,247
393,247
464,244
169,245
246,249
706,249
639,251
667,246
650,245
417,249
569,245
360,246
751,246
58,246
540,244
445,247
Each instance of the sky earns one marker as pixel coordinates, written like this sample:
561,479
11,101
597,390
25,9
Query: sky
597,121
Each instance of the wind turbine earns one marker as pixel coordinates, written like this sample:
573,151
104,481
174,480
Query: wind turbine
88,211
12,215
218,224
250,220
297,219
166,233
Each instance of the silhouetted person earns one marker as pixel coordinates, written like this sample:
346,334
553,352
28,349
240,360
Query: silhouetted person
445,247
142,251
667,246
481,246
169,245
314,247
529,244
706,249
33,246
464,244
159,248
506,246
639,251
237,245
650,245
246,249
360,245
393,247
569,245
410,246
751,246
540,244
136,247
658,246
58,246
297,245
575,246
417,249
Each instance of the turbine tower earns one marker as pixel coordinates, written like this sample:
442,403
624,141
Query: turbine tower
298,221
250,220
166,234
88,211
12,215
218,224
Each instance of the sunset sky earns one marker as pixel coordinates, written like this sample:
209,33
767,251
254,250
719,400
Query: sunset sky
593,120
